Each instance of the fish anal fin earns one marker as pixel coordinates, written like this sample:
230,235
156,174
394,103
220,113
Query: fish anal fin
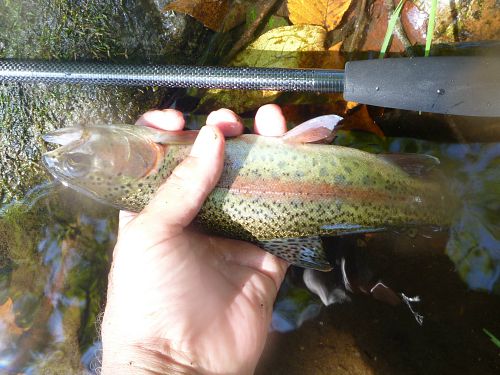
304,252
317,130
416,165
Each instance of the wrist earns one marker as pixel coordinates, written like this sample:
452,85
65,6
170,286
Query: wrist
141,359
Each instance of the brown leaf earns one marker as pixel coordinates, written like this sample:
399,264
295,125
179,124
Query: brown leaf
326,13
218,15
360,119
8,319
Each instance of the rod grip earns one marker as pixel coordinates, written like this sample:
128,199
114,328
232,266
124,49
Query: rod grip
456,85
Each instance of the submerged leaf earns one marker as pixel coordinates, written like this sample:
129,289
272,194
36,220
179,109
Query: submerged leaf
298,46
360,119
8,319
285,47
326,13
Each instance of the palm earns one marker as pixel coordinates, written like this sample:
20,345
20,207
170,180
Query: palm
202,292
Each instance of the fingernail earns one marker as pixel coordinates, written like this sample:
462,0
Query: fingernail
205,142
222,115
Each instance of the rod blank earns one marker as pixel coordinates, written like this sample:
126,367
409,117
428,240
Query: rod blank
238,78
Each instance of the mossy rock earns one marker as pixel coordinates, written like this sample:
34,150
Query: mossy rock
109,30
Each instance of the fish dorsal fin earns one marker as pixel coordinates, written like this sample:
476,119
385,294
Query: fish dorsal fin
303,251
416,165
317,130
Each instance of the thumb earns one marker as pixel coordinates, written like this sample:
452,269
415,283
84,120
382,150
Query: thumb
178,200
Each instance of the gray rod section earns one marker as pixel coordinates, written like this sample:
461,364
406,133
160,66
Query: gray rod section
237,78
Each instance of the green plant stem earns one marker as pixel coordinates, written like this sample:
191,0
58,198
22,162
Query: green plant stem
430,28
390,28
493,338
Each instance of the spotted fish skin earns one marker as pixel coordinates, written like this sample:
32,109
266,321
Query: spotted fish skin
270,189
273,192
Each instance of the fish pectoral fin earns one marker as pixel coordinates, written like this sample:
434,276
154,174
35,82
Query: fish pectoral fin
416,165
304,252
181,137
317,130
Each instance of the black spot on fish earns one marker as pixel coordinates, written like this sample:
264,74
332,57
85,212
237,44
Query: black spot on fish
340,178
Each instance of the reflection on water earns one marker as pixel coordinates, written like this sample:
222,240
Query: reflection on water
53,276
55,252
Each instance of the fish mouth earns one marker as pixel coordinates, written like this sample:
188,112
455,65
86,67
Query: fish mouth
63,136
51,164
66,138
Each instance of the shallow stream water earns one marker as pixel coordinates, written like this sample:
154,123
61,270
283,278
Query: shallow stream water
55,245
55,272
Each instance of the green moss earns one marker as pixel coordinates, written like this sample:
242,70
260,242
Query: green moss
115,30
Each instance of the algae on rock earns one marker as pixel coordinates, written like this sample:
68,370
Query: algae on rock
113,30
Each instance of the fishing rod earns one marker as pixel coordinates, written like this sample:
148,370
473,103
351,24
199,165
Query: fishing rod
456,85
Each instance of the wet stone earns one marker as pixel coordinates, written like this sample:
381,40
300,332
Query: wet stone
113,30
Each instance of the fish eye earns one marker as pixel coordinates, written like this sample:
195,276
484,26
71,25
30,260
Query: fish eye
77,164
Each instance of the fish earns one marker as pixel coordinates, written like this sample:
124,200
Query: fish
280,193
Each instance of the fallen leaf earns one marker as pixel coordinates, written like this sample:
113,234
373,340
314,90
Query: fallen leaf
218,15
285,47
360,119
326,13
297,46
8,319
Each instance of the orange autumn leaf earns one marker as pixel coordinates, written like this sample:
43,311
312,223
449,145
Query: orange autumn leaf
360,119
8,319
326,13
217,15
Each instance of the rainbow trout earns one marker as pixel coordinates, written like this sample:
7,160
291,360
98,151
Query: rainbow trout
277,192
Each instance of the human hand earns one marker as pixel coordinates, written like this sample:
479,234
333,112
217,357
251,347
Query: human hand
180,301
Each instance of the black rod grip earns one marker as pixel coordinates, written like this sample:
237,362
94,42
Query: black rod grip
456,85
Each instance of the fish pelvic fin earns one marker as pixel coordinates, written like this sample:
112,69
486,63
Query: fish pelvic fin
304,252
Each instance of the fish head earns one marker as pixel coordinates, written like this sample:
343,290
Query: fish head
99,159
